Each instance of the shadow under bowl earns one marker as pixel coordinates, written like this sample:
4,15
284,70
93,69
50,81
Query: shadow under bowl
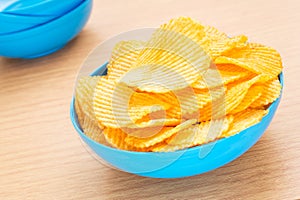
182,163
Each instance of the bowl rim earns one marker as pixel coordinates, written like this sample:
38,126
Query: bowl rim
102,69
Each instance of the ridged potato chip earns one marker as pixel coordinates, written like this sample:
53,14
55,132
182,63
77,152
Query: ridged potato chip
245,119
271,91
188,85
84,94
111,102
84,108
112,105
123,58
187,27
218,108
93,131
213,41
158,137
254,57
196,135
252,95
169,61
214,78
116,138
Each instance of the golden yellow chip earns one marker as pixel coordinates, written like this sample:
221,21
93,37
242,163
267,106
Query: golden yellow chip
79,113
123,58
93,131
164,65
196,135
245,119
214,78
181,102
84,94
253,94
231,68
271,91
163,134
254,57
84,108
138,112
218,108
116,138
188,85
186,26
112,103
221,47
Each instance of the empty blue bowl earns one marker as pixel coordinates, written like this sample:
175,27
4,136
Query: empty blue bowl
51,8
183,163
47,38
14,23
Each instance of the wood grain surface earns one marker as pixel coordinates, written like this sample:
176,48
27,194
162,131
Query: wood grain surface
42,157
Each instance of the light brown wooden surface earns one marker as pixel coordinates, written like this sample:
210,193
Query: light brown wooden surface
42,157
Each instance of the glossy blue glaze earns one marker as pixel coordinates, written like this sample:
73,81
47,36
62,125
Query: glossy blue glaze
14,23
51,8
47,38
183,163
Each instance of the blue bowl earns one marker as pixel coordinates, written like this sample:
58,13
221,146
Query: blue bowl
51,8
47,38
182,163
14,23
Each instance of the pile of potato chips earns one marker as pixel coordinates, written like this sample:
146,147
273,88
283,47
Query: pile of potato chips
188,85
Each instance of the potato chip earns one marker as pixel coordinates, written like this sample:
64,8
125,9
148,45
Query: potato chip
187,27
79,113
182,102
220,47
146,99
155,122
93,131
138,112
84,94
215,78
213,41
112,103
163,134
123,58
188,85
254,57
253,94
271,91
218,108
245,119
116,138
197,134
84,108
170,61
231,68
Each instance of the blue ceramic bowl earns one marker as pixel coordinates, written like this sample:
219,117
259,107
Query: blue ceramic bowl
51,8
183,163
47,38
14,23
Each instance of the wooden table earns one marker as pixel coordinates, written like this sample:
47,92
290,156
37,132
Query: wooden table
42,157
